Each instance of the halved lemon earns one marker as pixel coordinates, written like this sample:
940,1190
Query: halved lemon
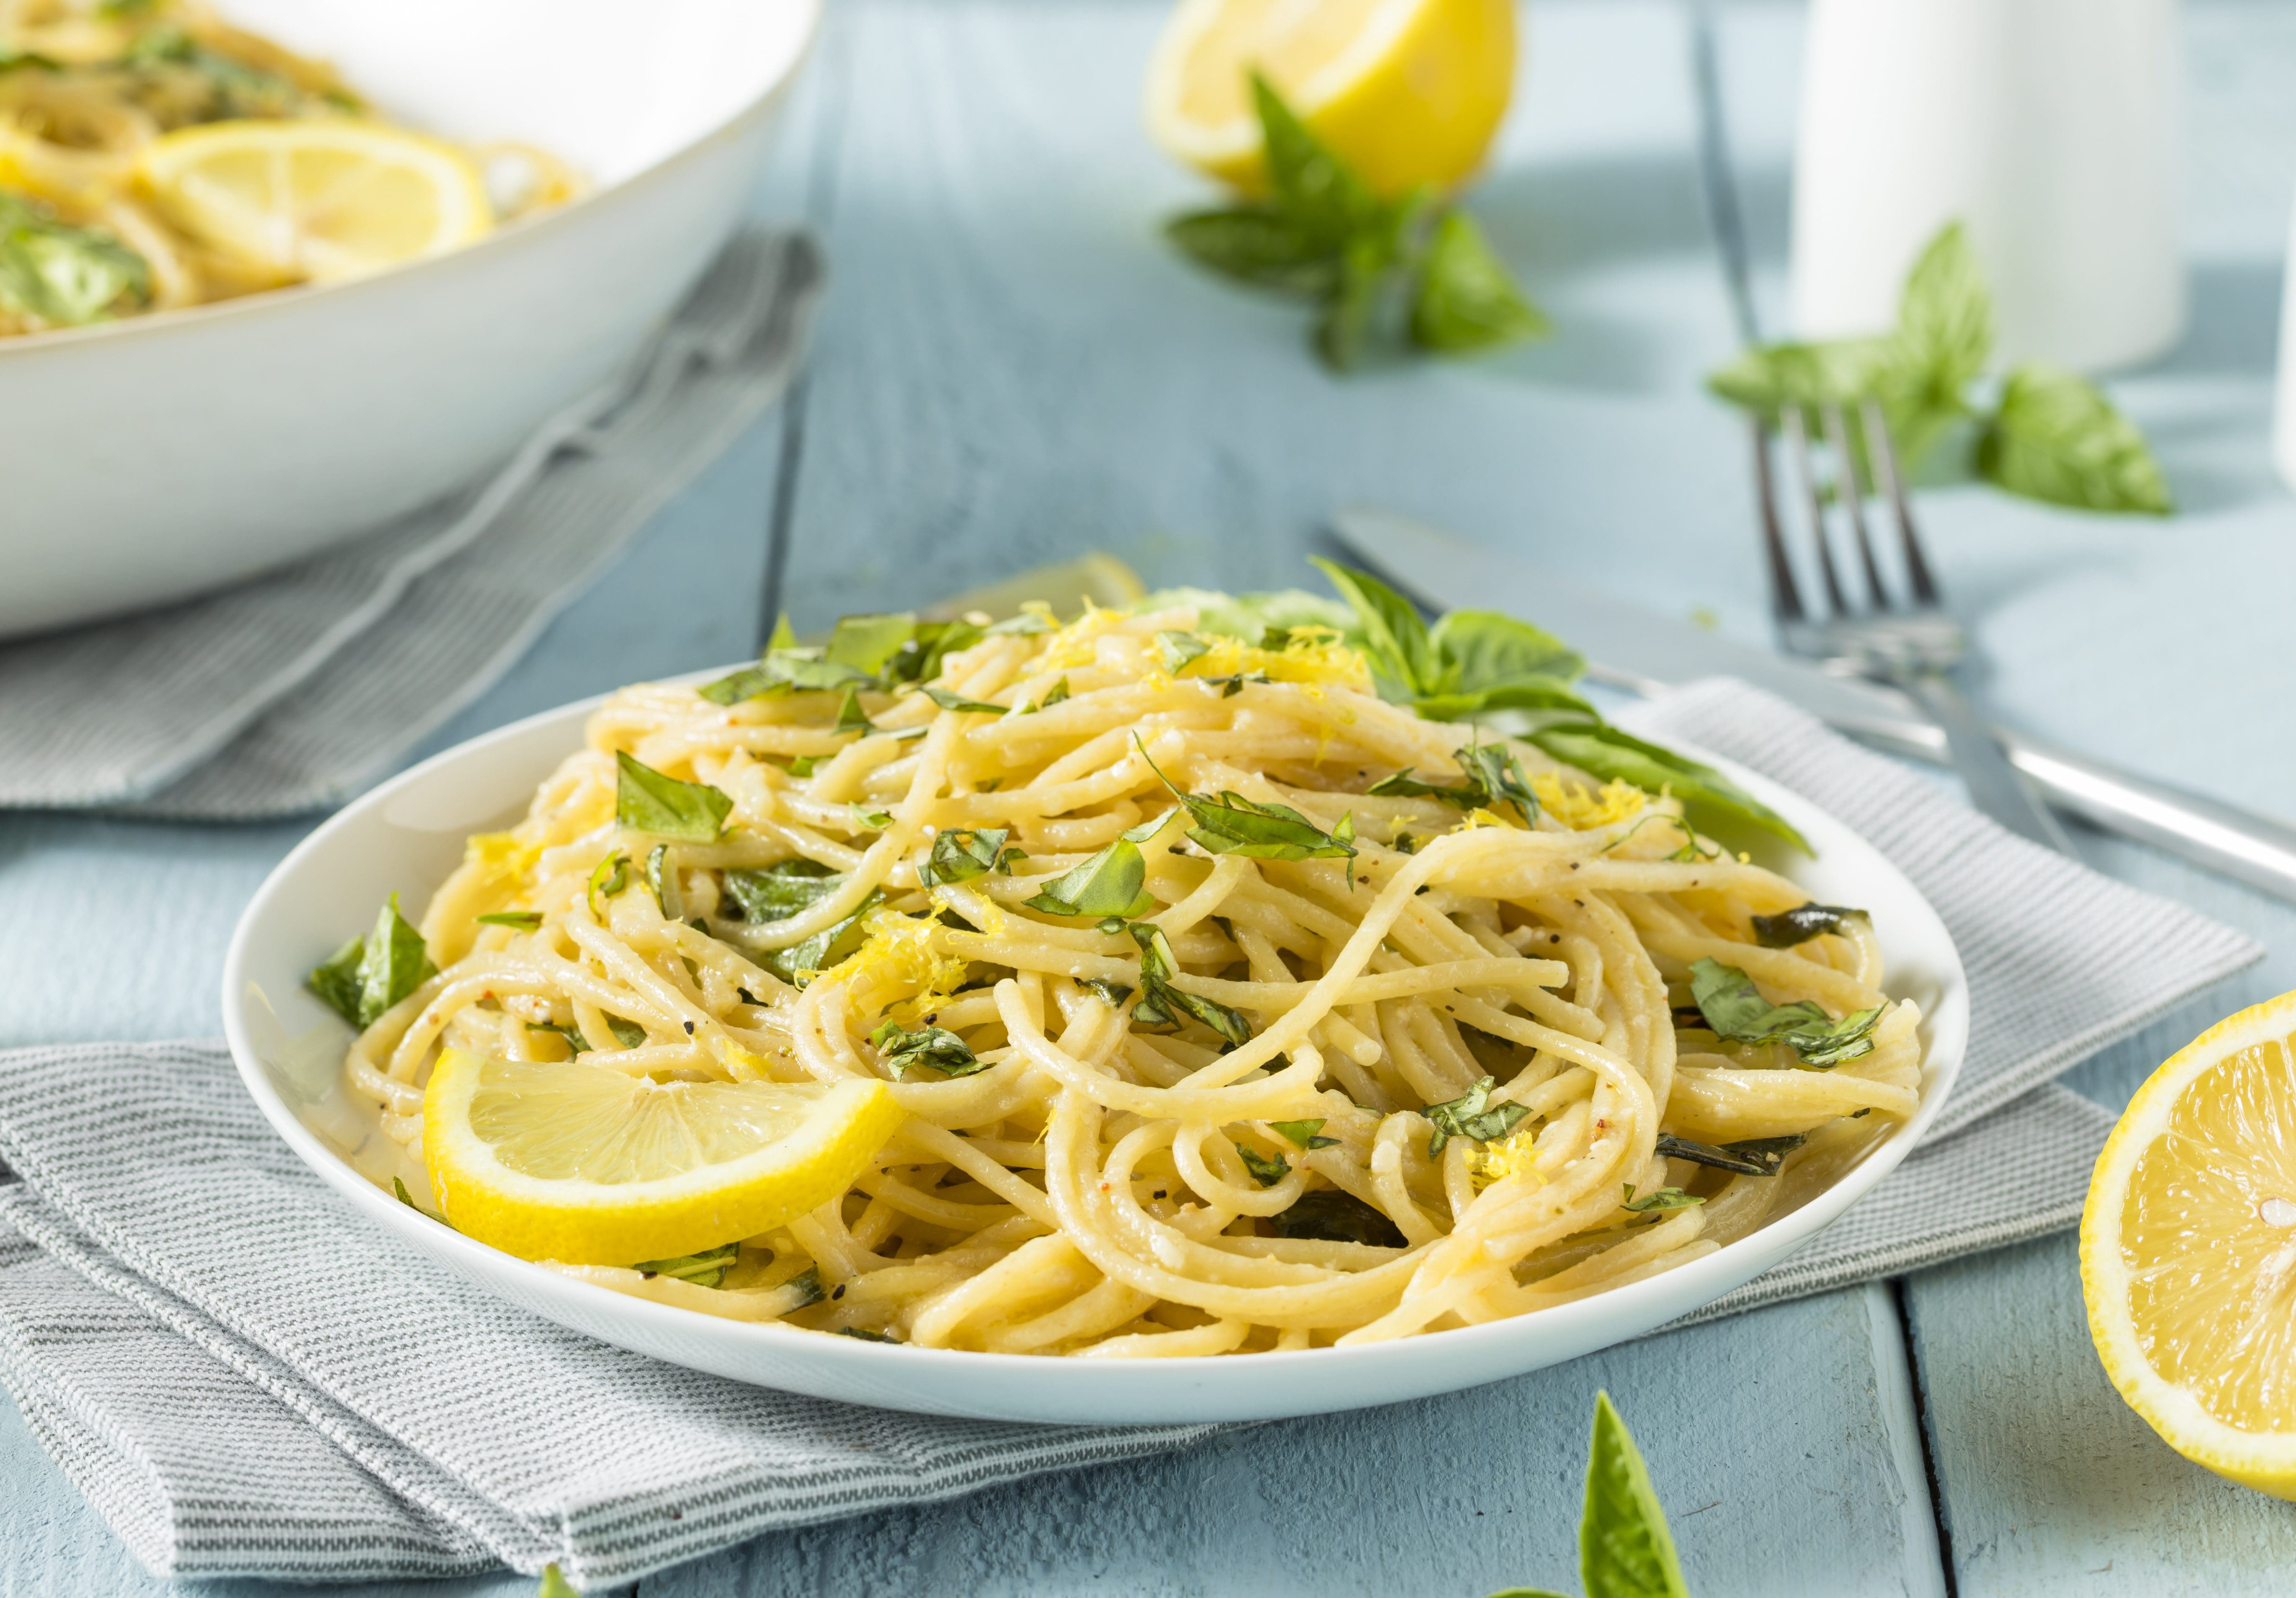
592,1166
2188,1249
1409,91
319,200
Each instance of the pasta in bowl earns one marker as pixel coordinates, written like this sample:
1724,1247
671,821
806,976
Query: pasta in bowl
1197,998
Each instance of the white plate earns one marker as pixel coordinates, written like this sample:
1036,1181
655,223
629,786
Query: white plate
407,835
155,456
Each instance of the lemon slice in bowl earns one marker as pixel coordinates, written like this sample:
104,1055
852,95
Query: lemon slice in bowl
1409,91
592,1166
316,200
2188,1249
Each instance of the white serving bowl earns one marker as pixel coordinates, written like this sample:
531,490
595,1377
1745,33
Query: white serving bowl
406,835
156,457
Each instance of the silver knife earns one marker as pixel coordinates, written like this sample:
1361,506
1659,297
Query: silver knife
1631,648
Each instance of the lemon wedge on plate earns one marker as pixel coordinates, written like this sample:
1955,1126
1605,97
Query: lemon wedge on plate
2189,1250
319,200
593,1167
1409,91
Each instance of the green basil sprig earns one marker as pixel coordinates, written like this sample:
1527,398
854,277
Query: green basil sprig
2051,436
1735,1008
369,975
1625,1550
1323,235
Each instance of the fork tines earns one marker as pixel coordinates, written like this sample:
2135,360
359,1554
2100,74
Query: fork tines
1843,486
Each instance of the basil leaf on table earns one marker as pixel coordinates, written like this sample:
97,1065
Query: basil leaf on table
371,974
653,801
1802,923
1736,1009
1321,192
1625,1550
933,1046
1466,300
1258,244
2057,438
1604,750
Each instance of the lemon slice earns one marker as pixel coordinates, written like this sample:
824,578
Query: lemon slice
1409,91
593,1167
2189,1250
318,199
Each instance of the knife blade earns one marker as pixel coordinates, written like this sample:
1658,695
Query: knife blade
1634,649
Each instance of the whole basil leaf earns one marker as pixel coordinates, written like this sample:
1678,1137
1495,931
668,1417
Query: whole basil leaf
1529,692
1351,310
1625,1550
1466,300
653,801
1396,642
1258,244
866,643
2057,438
1945,323
1481,650
1320,193
1604,750
1735,1008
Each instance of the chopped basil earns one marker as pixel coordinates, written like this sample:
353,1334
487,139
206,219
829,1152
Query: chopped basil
1490,775
933,1046
1661,1198
575,1040
611,876
1752,1157
865,1335
1054,695
806,1285
629,1035
370,974
408,1199
868,820
1801,924
1232,824
1303,1132
852,717
649,800
778,892
1112,882
525,921
958,702
1177,649
1465,1118
1159,999
1332,1216
663,880
56,276
962,853
1266,1169
1111,993
1735,1008
705,1270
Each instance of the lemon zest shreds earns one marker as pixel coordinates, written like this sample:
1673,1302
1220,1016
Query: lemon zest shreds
1582,809
1516,1154
1479,817
901,952
502,857
1320,660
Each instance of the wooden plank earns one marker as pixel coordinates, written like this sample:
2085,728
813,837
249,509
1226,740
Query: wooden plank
1772,1457
1015,368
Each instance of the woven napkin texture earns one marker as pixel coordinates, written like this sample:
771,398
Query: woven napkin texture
247,1379
292,691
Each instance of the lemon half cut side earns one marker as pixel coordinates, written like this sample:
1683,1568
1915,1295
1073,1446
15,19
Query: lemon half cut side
317,199
2189,1250
590,1166
1409,92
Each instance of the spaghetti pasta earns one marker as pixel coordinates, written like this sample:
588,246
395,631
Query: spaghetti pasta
1213,1035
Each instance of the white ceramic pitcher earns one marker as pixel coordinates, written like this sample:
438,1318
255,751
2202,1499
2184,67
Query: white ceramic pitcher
2051,128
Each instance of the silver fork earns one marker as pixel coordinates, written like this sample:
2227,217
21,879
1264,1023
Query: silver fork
1913,644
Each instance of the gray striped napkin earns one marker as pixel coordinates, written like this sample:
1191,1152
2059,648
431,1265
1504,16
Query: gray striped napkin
247,1379
290,692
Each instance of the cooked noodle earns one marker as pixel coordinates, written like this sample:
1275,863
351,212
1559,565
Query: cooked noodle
1103,1189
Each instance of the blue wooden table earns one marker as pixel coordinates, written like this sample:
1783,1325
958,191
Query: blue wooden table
1012,370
